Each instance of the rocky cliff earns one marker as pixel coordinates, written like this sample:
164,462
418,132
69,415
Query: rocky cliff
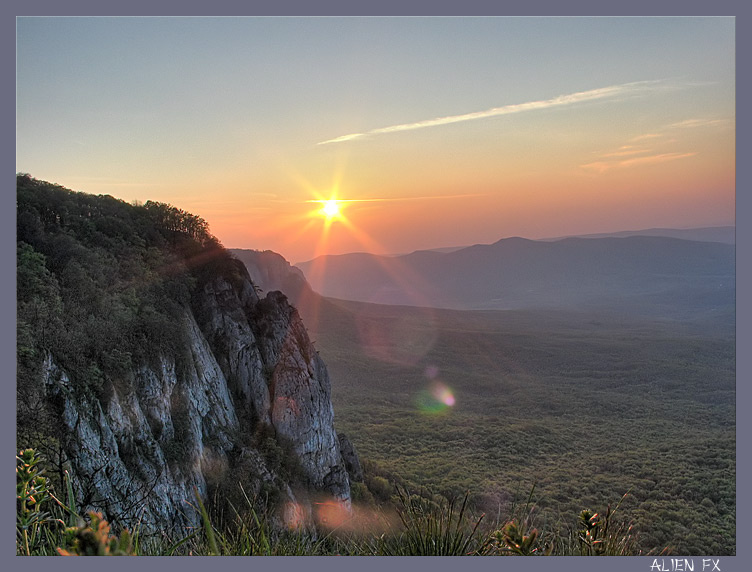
242,400
271,271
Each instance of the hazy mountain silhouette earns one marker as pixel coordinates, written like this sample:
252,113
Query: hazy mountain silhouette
724,234
271,271
648,274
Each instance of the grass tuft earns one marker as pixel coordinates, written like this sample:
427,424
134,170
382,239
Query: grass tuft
445,529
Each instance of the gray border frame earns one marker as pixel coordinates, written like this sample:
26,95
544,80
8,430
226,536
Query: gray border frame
10,10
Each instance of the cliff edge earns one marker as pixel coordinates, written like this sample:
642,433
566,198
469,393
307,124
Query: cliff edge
149,368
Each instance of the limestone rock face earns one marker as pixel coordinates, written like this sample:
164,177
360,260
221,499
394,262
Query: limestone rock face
300,391
351,459
270,271
140,450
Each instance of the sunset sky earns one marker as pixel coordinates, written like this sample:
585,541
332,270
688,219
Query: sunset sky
433,131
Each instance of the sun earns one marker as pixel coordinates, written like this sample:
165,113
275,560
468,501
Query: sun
330,209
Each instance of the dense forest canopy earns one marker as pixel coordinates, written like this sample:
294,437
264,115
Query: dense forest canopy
102,284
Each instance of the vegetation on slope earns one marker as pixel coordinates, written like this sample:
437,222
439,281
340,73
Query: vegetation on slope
428,526
584,406
102,285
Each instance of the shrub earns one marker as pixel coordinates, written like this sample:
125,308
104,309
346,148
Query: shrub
604,536
94,539
428,531
380,487
33,520
360,494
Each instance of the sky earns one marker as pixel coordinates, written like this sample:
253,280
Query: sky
432,132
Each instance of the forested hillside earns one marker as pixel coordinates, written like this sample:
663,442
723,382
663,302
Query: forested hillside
149,367
101,282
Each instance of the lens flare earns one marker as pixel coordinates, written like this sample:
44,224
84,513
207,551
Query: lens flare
437,398
396,337
293,515
331,513
445,396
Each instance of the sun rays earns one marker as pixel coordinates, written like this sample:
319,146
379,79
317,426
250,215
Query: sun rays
331,209
325,218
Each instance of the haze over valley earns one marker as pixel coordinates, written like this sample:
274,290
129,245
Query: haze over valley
376,286
645,274
555,394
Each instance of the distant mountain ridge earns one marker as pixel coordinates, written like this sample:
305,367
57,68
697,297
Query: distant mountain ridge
724,234
634,273
271,271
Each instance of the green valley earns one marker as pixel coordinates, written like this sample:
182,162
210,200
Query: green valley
583,407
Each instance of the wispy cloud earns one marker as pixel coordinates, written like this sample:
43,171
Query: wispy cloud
684,124
401,199
646,136
647,145
692,123
652,159
626,150
610,92
603,166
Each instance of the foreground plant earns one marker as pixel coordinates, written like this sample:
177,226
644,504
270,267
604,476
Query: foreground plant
511,539
248,533
94,539
34,523
602,536
432,530
430,526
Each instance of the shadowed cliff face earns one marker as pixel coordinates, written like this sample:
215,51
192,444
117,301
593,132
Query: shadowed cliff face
149,367
271,363
161,432
270,271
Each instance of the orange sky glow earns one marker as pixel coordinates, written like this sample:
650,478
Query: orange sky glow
433,132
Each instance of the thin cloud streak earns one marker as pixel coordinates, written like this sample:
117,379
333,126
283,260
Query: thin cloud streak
603,166
662,158
625,151
610,92
401,199
661,137
692,123
646,136
685,124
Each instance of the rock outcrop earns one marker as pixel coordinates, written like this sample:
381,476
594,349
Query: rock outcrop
271,271
351,459
185,423
150,369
